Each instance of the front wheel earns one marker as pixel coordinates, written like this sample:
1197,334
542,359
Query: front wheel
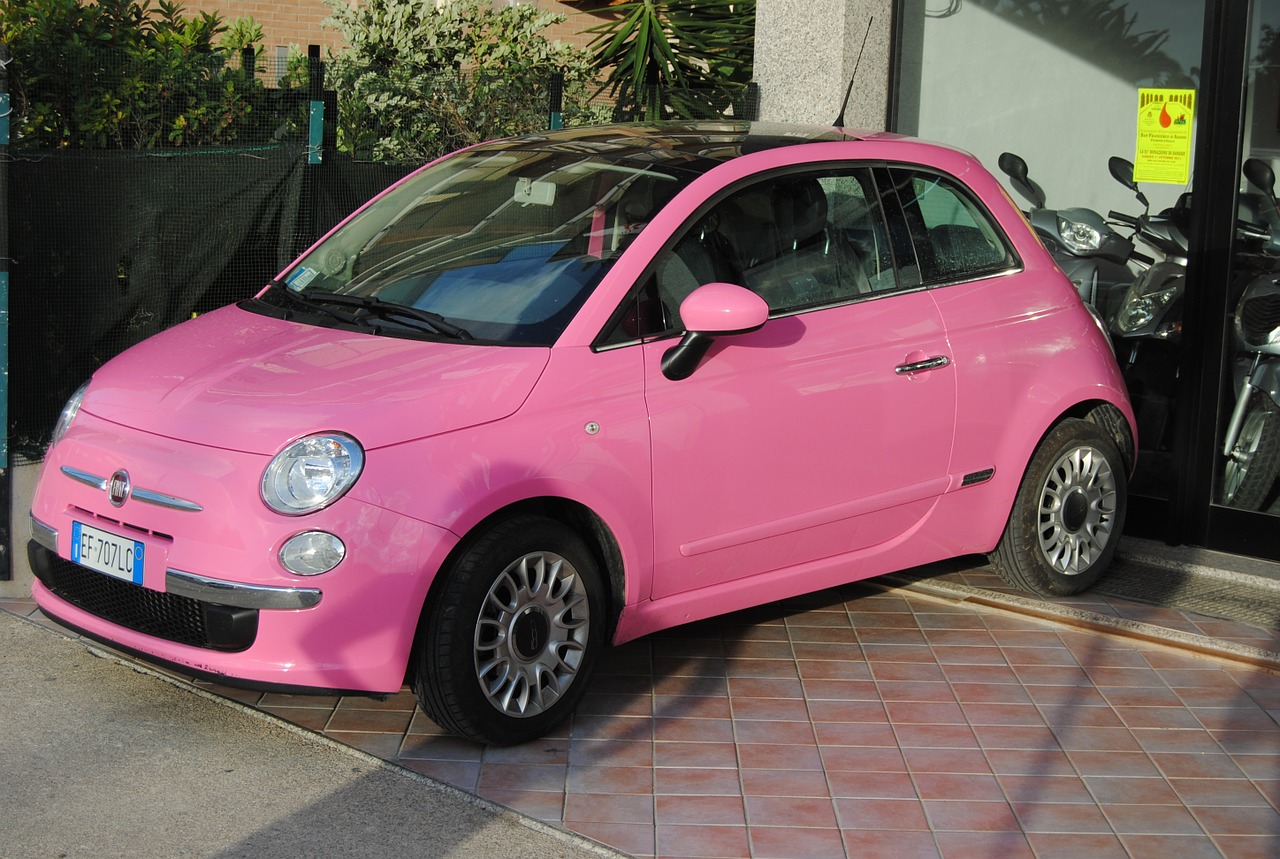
1254,462
1067,515
509,641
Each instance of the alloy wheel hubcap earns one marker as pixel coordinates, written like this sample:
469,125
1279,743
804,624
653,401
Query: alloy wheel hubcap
531,634
1077,510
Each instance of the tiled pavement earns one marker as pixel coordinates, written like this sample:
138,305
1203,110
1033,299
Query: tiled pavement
879,721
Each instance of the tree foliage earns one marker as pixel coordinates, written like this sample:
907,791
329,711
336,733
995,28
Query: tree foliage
122,74
681,57
419,79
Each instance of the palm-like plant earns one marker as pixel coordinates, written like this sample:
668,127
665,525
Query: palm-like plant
693,51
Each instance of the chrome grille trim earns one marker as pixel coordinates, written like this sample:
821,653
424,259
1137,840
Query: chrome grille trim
85,477
146,496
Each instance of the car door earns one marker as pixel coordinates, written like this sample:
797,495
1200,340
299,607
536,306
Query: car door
827,431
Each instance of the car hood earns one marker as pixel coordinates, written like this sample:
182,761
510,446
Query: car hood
239,381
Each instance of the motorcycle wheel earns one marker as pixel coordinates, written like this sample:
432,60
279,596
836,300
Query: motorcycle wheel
1251,469
1067,515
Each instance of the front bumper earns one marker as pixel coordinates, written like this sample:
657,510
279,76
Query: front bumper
356,636
210,590
211,597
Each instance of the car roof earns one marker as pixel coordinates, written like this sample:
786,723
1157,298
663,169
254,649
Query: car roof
696,146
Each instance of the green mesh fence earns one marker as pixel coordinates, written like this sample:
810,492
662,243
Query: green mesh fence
111,244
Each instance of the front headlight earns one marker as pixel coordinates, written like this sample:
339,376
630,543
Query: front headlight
1079,237
69,412
311,473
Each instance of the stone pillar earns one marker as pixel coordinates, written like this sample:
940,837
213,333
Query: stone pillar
805,54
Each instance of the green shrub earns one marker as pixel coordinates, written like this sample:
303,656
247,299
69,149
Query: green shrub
122,74
420,79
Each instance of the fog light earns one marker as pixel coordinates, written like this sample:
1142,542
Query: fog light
312,553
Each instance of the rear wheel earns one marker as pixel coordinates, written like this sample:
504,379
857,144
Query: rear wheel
509,641
1068,513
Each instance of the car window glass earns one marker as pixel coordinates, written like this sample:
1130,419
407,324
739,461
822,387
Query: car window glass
799,241
507,246
955,239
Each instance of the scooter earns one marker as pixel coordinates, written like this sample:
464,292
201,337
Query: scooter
1093,255
1252,442
1151,308
1146,320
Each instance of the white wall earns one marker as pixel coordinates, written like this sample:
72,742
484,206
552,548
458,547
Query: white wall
983,84
990,86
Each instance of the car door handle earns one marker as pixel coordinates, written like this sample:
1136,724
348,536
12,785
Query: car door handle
920,366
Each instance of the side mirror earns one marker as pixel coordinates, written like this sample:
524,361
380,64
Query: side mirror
710,311
1121,170
1262,177
1015,168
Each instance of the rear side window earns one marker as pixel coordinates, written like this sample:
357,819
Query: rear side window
955,238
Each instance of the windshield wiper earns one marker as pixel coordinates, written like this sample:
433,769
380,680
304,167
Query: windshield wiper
367,306
297,301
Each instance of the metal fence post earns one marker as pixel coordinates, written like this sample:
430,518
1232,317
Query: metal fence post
556,120
6,495
315,128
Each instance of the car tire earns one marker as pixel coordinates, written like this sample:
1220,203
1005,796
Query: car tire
1251,469
1067,515
508,642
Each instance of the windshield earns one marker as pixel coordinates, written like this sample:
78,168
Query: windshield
502,245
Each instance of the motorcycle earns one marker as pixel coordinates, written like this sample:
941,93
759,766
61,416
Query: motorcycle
1252,442
1149,320
1089,251
1151,308
1146,319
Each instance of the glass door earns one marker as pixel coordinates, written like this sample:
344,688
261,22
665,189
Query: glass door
1046,95
1245,459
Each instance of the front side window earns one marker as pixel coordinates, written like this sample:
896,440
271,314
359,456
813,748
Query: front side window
954,237
799,240
502,245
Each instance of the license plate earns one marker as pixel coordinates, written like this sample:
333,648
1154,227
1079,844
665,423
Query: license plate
99,550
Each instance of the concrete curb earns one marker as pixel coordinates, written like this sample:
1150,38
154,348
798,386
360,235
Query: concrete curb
1034,607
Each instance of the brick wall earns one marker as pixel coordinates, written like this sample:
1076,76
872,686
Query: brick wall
299,22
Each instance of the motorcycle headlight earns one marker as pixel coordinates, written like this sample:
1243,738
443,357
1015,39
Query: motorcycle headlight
1079,237
69,412
311,473
1140,309
1148,297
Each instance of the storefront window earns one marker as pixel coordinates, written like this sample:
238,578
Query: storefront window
1048,93
1249,445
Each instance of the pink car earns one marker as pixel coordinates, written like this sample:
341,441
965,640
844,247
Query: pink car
555,392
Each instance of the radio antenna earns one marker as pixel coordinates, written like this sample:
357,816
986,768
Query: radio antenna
839,123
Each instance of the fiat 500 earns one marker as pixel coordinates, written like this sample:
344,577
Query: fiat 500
554,392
